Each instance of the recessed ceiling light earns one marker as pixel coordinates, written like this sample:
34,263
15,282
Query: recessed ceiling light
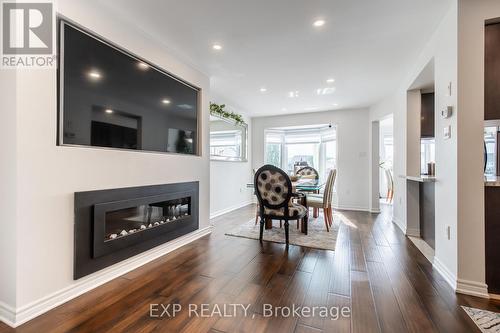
319,23
217,47
263,89
330,80
293,94
165,101
94,75
335,104
142,66
185,106
325,91
108,111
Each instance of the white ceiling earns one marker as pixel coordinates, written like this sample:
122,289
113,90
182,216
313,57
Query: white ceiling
366,46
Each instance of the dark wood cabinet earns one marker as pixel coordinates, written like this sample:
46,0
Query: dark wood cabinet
492,232
492,72
427,116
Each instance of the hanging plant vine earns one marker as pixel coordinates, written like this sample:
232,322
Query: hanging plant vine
218,110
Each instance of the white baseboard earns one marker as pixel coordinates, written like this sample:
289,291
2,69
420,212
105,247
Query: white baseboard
38,307
448,276
415,232
472,288
7,314
399,224
353,208
230,209
375,210
246,203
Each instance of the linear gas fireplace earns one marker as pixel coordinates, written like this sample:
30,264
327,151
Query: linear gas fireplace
112,225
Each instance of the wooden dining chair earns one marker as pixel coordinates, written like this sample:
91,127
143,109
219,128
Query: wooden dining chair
390,185
274,192
317,201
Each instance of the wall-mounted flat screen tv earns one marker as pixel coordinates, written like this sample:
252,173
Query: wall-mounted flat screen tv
110,98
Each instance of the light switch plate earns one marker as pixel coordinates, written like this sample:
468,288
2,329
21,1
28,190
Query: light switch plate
447,132
446,113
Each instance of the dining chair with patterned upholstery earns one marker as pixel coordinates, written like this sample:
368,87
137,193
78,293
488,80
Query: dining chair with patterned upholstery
324,201
308,172
273,189
257,209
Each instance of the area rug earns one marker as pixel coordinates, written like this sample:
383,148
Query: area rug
317,237
486,321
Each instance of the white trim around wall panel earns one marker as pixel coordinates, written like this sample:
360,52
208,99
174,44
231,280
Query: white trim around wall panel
23,314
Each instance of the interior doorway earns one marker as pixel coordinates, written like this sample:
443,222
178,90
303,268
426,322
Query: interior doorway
386,161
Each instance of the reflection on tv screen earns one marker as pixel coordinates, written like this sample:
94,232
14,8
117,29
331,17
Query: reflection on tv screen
112,99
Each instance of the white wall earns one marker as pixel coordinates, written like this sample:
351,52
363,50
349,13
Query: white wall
228,181
471,21
8,191
442,47
459,168
396,104
353,128
48,175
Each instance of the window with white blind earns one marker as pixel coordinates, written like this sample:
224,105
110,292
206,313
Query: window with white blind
290,147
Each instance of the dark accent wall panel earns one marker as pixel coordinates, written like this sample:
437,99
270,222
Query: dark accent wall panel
492,72
427,116
492,235
87,262
427,213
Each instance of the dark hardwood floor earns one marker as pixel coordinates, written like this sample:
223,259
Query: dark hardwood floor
375,271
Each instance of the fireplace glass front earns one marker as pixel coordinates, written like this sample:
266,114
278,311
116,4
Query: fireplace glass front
127,221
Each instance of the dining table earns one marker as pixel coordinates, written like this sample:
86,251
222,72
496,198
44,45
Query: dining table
309,185
303,185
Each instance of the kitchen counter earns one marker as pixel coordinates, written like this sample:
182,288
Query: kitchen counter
492,181
421,178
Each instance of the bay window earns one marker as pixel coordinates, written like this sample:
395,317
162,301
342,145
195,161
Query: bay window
273,152
315,146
